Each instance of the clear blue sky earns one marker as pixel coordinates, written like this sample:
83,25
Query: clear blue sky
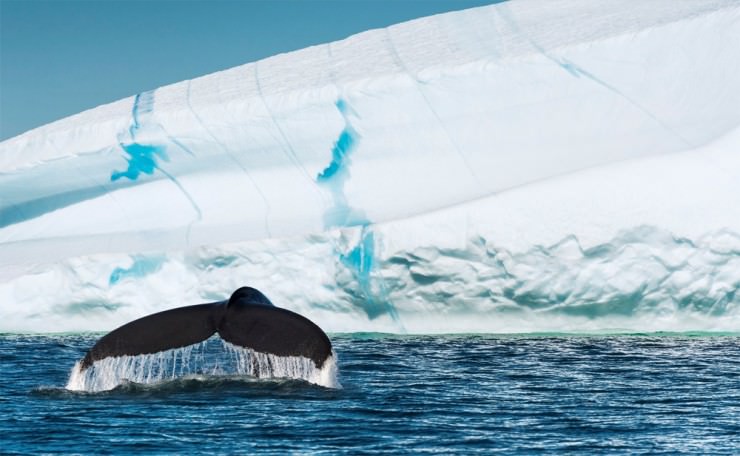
59,57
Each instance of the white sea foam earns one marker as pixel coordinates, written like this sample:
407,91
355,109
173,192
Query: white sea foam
197,361
266,365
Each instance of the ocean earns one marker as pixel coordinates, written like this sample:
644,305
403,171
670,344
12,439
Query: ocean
515,394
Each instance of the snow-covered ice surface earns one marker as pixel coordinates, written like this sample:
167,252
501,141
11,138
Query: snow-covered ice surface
554,165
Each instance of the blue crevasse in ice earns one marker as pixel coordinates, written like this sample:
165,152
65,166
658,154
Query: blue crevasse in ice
336,173
343,147
142,158
360,259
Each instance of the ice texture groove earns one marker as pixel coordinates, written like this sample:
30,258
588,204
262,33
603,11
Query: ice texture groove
422,177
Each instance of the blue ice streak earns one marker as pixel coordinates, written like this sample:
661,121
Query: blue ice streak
343,147
141,267
337,172
141,158
360,260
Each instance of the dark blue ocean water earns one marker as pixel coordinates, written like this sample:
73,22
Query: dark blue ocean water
415,394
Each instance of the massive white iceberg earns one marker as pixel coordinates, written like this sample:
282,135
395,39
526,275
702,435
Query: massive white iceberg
552,165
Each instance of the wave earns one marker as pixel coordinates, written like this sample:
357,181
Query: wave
203,384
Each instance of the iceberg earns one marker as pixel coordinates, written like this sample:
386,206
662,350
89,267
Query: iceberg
558,165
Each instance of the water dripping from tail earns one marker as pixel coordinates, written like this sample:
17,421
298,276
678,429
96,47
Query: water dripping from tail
213,357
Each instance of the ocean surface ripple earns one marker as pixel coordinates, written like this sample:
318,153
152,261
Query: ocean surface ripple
582,394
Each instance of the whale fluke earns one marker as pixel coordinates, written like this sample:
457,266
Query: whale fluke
248,319
161,331
274,330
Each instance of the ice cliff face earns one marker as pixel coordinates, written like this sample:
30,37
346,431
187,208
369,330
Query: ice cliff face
531,165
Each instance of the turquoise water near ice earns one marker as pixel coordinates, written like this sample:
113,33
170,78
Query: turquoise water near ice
545,393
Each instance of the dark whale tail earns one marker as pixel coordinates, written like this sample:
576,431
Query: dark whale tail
248,319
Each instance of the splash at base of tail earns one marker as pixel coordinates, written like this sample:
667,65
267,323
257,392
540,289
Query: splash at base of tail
263,340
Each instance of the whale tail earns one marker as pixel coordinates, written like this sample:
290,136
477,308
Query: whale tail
247,319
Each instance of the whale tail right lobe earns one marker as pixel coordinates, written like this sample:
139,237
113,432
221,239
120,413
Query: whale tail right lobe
274,330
